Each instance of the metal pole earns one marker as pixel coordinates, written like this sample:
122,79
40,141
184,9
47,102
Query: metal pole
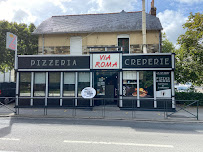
144,27
197,109
16,56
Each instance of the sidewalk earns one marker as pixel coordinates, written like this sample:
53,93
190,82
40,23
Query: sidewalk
107,112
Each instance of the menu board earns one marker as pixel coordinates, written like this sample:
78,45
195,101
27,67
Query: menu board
101,86
163,80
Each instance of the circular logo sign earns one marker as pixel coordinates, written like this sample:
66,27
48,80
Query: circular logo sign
88,92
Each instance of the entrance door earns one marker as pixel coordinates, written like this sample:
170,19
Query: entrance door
106,85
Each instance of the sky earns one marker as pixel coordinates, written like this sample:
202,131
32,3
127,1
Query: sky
172,13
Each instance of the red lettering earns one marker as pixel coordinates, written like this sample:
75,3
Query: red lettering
102,57
109,57
102,64
115,64
108,64
97,64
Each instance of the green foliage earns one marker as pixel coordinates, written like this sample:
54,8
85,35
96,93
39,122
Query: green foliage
27,43
167,46
190,96
189,58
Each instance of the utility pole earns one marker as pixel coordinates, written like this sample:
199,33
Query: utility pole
144,28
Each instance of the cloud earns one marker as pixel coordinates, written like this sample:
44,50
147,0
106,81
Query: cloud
172,22
116,5
189,1
38,10
22,16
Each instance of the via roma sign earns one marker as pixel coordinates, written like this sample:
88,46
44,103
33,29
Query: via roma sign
106,61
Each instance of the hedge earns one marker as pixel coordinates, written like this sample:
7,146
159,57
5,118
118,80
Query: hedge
190,96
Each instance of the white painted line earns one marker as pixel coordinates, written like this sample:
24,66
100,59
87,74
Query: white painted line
10,139
116,143
8,151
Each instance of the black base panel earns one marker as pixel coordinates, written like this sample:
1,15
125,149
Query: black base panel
83,103
24,102
38,102
53,102
68,102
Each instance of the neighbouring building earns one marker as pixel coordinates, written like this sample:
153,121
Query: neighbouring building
103,51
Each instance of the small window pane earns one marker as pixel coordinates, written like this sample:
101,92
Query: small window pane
124,42
25,84
146,84
69,84
130,83
83,81
54,83
39,84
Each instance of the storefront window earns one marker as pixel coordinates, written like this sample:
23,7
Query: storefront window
54,83
146,89
25,83
69,84
39,84
83,81
129,83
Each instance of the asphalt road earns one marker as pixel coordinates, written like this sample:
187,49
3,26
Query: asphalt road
84,135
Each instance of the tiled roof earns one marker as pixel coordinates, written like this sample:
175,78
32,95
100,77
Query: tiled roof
87,23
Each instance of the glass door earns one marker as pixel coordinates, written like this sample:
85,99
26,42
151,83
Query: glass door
106,86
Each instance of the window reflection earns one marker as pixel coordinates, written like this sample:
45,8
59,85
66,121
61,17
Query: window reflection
129,83
146,84
83,81
54,83
69,84
25,83
39,84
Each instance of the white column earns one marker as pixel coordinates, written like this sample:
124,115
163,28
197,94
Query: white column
91,79
61,89
76,88
17,87
154,82
47,85
172,89
121,90
121,82
138,91
32,88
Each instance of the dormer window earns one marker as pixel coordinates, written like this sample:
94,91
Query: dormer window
123,41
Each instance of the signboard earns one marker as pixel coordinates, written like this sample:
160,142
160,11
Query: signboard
88,93
11,41
147,61
62,62
163,84
106,61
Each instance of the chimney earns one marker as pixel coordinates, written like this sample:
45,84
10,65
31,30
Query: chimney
153,9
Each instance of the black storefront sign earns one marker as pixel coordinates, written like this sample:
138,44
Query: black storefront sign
147,61
69,62
163,80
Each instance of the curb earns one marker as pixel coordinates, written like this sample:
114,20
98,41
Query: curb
101,118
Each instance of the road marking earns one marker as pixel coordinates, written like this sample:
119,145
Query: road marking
13,139
8,151
116,143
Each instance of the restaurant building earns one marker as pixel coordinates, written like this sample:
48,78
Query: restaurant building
103,51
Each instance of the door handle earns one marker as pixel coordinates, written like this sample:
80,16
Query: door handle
116,92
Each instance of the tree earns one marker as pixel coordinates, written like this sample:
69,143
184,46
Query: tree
27,43
189,65
167,46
